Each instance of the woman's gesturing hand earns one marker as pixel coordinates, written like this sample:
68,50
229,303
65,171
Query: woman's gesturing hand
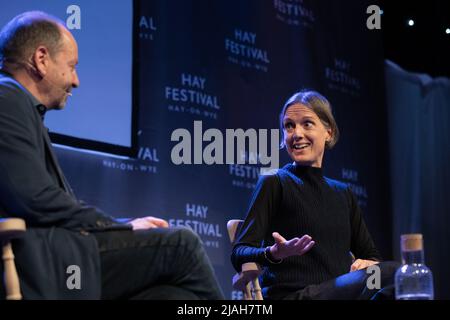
285,248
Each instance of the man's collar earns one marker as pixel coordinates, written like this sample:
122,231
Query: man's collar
41,109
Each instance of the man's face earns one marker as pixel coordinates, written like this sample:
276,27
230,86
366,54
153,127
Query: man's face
62,75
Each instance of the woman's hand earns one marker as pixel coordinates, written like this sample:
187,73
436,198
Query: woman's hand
148,223
362,264
285,248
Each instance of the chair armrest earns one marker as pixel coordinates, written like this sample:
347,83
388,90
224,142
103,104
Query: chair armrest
249,272
11,228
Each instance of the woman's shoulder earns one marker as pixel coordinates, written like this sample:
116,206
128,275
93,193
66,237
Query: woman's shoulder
268,184
337,185
270,178
286,170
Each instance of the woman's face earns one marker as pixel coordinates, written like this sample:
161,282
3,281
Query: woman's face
304,135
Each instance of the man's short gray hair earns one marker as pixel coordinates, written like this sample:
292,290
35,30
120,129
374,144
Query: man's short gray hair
20,37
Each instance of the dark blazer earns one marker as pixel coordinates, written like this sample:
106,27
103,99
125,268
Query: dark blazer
33,187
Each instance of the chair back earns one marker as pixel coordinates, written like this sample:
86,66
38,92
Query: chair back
246,280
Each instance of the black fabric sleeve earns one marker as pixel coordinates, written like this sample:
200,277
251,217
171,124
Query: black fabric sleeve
362,245
263,205
26,188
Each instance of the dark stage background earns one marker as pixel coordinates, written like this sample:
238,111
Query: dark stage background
248,57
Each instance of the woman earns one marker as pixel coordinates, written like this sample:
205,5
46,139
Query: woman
309,226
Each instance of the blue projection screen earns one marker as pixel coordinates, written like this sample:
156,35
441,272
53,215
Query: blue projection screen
99,115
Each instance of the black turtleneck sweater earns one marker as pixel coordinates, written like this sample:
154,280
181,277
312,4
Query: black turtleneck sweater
296,201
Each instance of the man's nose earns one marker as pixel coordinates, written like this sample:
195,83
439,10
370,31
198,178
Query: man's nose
76,81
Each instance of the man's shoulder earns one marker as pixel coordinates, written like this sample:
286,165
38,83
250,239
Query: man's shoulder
8,83
12,95
10,88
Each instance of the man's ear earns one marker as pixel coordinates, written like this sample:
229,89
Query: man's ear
40,60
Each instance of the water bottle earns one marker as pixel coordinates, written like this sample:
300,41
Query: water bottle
413,280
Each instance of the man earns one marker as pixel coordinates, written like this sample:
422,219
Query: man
142,259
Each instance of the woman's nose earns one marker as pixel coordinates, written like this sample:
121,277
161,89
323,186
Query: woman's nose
298,133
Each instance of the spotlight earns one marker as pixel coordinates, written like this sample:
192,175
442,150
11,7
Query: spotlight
410,22
447,31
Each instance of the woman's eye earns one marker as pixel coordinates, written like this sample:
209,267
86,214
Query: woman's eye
308,124
288,125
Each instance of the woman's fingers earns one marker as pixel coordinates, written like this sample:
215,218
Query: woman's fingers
361,264
278,238
308,247
304,241
356,265
294,247
293,242
303,245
